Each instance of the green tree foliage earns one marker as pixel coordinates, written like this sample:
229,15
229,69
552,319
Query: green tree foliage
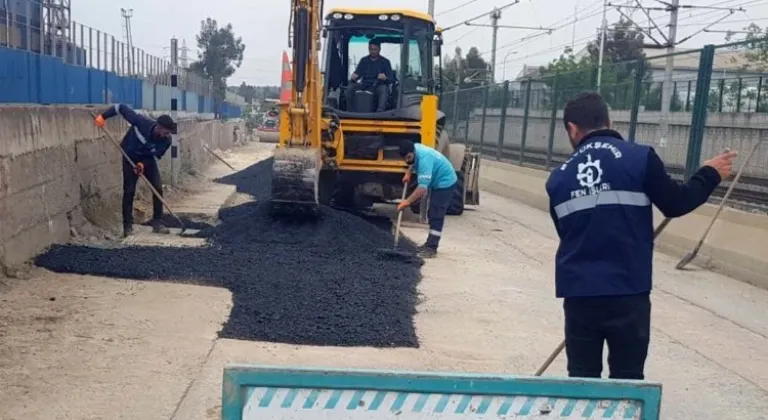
256,93
474,71
623,43
731,95
756,48
219,54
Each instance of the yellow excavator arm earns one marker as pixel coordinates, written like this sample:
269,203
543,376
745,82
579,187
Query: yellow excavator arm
298,159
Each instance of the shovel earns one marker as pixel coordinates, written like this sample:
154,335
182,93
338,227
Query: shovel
394,253
695,251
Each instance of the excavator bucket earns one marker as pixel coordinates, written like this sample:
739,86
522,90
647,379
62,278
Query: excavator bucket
295,172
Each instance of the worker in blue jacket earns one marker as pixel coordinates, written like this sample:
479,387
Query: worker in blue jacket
601,204
145,141
435,175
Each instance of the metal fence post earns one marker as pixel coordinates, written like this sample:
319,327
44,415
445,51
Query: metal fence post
503,118
466,122
552,122
526,114
699,118
485,113
637,91
455,113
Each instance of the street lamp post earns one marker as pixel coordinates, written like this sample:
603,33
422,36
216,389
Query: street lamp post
504,68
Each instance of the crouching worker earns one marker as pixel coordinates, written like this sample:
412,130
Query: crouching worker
145,141
435,175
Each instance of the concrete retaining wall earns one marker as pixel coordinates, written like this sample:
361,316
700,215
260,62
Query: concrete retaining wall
739,131
737,246
58,172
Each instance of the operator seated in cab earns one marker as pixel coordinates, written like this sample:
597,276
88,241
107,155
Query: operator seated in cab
373,74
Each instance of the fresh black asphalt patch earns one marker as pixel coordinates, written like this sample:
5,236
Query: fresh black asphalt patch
294,282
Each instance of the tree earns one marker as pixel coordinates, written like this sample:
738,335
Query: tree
219,54
248,92
623,47
474,71
756,53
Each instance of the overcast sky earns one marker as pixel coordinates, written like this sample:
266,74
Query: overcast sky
263,26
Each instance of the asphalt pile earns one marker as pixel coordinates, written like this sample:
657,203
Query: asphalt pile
292,281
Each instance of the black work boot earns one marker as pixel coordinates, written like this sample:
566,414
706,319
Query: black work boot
159,227
426,251
127,230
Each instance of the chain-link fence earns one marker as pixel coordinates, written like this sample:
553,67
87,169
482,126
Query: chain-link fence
689,106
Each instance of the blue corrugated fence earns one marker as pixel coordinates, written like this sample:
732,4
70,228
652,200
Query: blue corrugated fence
28,77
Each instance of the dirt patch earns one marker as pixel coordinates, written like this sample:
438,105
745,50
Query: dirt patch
292,281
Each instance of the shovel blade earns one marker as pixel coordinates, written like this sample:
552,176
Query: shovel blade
686,260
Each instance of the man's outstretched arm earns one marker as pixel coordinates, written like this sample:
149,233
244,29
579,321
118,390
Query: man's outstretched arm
675,199
124,111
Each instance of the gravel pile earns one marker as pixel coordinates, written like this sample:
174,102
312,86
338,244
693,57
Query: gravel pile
292,282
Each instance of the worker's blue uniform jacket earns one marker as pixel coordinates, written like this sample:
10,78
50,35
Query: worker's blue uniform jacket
600,202
433,170
138,142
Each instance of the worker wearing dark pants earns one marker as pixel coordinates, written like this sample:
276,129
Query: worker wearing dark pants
373,72
147,167
601,204
435,175
145,142
380,91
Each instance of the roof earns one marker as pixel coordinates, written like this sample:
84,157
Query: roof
724,60
405,12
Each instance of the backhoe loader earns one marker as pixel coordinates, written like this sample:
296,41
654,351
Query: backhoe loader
331,152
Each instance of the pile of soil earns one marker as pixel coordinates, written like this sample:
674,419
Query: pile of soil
293,281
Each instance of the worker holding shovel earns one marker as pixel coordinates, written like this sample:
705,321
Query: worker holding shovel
601,203
145,141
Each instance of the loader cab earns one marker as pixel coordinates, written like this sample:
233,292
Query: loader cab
408,40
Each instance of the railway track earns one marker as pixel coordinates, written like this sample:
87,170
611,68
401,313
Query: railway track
751,194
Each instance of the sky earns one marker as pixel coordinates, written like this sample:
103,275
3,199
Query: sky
262,24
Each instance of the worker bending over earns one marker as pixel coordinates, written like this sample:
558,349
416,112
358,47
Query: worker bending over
145,141
600,202
435,175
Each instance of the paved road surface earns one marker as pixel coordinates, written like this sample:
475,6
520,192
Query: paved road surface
79,347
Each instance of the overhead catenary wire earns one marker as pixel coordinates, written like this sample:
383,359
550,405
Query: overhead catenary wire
480,16
453,9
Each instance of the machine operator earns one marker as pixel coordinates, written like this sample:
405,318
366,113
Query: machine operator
601,204
145,141
435,175
373,73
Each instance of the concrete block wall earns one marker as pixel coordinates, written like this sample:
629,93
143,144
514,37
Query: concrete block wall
58,172
737,246
738,131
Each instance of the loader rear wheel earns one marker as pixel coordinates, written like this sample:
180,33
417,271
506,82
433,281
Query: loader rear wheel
456,207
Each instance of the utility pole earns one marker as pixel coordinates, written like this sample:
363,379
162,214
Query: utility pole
603,30
175,163
669,69
670,42
431,8
495,16
457,81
